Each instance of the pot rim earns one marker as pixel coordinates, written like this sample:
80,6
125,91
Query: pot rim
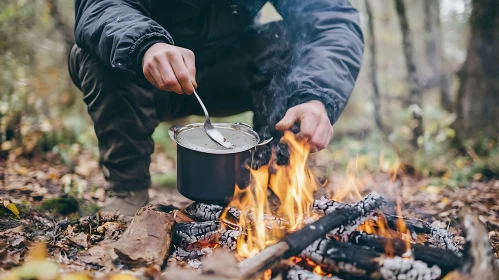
175,130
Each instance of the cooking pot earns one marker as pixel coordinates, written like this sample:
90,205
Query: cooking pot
208,172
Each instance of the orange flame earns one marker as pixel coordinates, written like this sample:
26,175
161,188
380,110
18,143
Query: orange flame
294,186
406,234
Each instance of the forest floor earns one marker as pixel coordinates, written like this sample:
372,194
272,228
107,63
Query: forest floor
55,205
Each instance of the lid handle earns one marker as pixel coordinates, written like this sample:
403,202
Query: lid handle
265,141
173,131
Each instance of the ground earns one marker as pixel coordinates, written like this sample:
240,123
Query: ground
56,203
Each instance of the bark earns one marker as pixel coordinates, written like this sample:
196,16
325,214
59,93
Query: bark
445,259
478,95
374,70
360,262
434,52
415,99
147,240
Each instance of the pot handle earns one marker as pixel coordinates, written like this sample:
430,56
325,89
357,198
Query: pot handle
172,131
245,124
265,141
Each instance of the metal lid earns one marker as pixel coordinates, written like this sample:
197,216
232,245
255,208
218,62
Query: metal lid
194,137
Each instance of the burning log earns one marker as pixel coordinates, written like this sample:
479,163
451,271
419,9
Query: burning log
437,236
358,261
209,212
297,241
196,231
445,259
296,272
147,240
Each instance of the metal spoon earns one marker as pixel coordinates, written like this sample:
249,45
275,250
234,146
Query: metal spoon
211,131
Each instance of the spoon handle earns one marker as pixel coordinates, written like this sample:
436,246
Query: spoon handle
202,106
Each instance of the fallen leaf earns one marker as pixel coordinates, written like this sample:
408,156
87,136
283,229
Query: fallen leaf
81,239
74,276
38,252
122,276
12,207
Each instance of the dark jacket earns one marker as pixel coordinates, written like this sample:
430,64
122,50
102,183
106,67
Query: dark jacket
326,34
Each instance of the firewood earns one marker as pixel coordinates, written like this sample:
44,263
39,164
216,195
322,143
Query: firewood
196,231
447,260
147,240
437,236
361,262
209,212
297,241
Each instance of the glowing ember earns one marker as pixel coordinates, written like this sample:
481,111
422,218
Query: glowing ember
294,186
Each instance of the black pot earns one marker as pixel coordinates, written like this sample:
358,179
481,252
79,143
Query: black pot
208,172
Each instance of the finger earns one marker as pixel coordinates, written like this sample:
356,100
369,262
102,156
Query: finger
288,120
321,134
150,78
169,80
308,125
156,76
181,72
190,64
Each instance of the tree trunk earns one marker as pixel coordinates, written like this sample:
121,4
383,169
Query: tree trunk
374,68
416,95
478,95
65,30
434,53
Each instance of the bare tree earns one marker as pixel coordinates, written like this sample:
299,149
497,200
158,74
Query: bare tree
415,98
478,95
434,53
374,68
65,29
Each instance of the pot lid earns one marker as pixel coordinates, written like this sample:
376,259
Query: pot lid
193,137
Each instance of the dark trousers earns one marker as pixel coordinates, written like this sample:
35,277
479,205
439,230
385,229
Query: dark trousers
247,75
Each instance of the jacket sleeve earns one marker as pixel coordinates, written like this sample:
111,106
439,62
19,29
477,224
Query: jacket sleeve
328,51
117,32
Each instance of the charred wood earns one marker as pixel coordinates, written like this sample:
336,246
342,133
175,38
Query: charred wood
209,212
191,252
445,259
351,260
297,241
196,231
228,239
437,236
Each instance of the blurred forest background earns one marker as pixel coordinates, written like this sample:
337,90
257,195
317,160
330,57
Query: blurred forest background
426,101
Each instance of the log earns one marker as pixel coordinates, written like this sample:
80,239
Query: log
147,240
437,236
445,259
209,212
196,231
345,259
297,241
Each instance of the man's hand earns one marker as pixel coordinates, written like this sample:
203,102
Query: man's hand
170,68
314,123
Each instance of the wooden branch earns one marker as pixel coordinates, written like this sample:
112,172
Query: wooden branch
336,221
445,259
147,240
361,262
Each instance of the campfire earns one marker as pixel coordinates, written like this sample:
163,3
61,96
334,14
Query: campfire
278,218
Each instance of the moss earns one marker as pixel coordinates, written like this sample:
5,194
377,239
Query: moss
7,219
62,205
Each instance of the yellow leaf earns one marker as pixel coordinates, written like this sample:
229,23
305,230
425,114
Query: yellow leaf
38,252
23,171
12,207
74,276
122,277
